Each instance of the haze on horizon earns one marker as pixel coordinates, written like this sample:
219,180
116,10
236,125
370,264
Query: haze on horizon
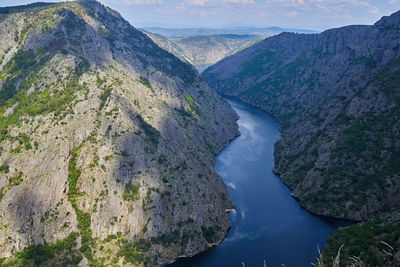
294,14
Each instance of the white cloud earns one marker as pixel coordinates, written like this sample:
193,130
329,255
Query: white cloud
292,14
197,2
287,3
216,2
374,10
239,1
141,2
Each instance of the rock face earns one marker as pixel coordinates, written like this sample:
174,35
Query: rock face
107,143
203,51
337,95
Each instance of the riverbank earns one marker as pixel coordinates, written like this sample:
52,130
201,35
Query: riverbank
268,224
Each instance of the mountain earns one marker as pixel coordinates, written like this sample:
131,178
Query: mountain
168,45
204,47
203,51
187,32
337,96
107,143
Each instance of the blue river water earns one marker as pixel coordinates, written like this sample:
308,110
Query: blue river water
268,224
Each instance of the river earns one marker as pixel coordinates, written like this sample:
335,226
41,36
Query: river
268,223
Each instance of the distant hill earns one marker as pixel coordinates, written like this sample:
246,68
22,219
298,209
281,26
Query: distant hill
30,7
203,51
185,32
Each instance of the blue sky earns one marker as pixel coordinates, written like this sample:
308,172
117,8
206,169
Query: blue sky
300,14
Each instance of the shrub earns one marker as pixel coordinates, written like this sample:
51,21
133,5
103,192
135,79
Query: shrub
131,192
4,169
104,96
143,80
135,252
210,234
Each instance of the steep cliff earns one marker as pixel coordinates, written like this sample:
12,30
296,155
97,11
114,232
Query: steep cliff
107,143
337,95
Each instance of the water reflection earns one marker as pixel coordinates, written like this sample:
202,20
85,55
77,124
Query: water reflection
268,223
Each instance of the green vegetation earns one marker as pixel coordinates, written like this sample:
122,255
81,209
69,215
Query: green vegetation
210,234
362,162
4,169
35,7
104,96
12,181
192,104
59,253
25,67
73,176
268,60
16,180
18,68
2,193
369,62
363,140
357,154
84,218
135,252
143,80
25,140
366,240
131,192
388,79
174,237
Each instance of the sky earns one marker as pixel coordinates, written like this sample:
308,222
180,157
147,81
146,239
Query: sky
294,14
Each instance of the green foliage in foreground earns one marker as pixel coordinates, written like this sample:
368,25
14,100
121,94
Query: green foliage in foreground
60,253
366,240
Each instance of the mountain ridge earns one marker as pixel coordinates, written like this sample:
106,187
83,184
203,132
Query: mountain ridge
186,32
337,96
202,51
98,126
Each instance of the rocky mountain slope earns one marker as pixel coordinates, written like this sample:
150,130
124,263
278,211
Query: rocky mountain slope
203,51
168,45
107,143
337,95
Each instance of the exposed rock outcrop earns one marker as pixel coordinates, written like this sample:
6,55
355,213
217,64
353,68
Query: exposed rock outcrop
107,143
